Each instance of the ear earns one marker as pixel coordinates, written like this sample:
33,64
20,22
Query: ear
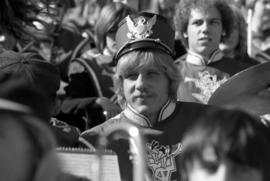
185,35
48,168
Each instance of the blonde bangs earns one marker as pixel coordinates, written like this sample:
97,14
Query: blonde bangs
135,60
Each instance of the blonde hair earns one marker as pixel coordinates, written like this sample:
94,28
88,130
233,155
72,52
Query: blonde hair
143,58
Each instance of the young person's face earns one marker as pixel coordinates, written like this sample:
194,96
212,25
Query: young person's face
146,90
204,31
225,171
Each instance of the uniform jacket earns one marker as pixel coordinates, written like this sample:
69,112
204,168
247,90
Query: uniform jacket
202,77
163,139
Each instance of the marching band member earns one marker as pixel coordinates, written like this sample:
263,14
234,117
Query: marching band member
201,25
146,83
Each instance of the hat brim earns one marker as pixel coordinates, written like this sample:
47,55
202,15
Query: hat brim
145,44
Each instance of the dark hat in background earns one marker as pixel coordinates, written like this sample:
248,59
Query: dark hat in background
14,88
248,90
32,68
144,31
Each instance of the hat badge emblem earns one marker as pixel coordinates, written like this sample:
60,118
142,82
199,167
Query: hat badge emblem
141,29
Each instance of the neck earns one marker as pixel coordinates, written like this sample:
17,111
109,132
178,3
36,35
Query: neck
198,59
152,118
149,120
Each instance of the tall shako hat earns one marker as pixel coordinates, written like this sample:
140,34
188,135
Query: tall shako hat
144,31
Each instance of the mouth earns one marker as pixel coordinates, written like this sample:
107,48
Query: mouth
142,97
205,39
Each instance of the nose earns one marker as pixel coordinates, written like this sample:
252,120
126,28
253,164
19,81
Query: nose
205,27
140,82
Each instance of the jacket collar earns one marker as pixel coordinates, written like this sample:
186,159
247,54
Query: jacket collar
197,59
143,121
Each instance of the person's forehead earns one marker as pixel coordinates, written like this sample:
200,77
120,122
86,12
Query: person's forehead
149,66
205,13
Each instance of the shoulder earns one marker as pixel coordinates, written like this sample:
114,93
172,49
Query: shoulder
230,65
247,59
192,107
186,114
90,136
102,128
182,64
180,59
66,134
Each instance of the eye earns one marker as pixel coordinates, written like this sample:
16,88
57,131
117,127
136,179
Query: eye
153,73
215,22
197,22
131,76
